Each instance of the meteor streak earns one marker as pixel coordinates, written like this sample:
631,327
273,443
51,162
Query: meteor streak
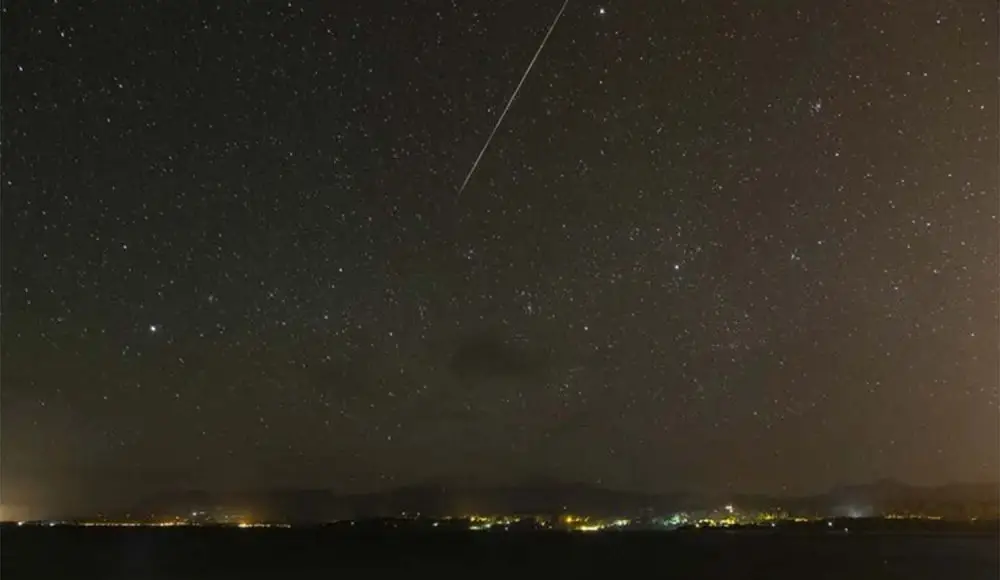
512,97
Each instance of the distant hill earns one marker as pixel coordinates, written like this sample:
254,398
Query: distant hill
430,500
889,496
955,500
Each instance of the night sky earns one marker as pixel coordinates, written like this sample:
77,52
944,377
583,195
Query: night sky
746,245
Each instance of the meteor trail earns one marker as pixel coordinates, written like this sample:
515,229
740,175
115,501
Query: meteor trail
511,99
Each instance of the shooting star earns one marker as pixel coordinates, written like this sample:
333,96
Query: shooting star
512,97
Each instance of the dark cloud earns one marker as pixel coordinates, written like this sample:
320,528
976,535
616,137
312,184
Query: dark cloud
487,356
342,378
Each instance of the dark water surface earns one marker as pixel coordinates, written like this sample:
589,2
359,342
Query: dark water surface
313,553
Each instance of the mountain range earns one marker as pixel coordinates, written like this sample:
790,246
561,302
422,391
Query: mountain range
960,500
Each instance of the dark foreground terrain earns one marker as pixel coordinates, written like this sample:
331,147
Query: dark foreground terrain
184,553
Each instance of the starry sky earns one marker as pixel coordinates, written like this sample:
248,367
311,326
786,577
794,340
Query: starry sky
744,245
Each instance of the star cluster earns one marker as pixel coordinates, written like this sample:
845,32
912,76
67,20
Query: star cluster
713,244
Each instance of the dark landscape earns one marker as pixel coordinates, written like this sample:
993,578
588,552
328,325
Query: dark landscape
907,532
962,553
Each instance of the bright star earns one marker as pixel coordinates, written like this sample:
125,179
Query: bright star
601,11
154,328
